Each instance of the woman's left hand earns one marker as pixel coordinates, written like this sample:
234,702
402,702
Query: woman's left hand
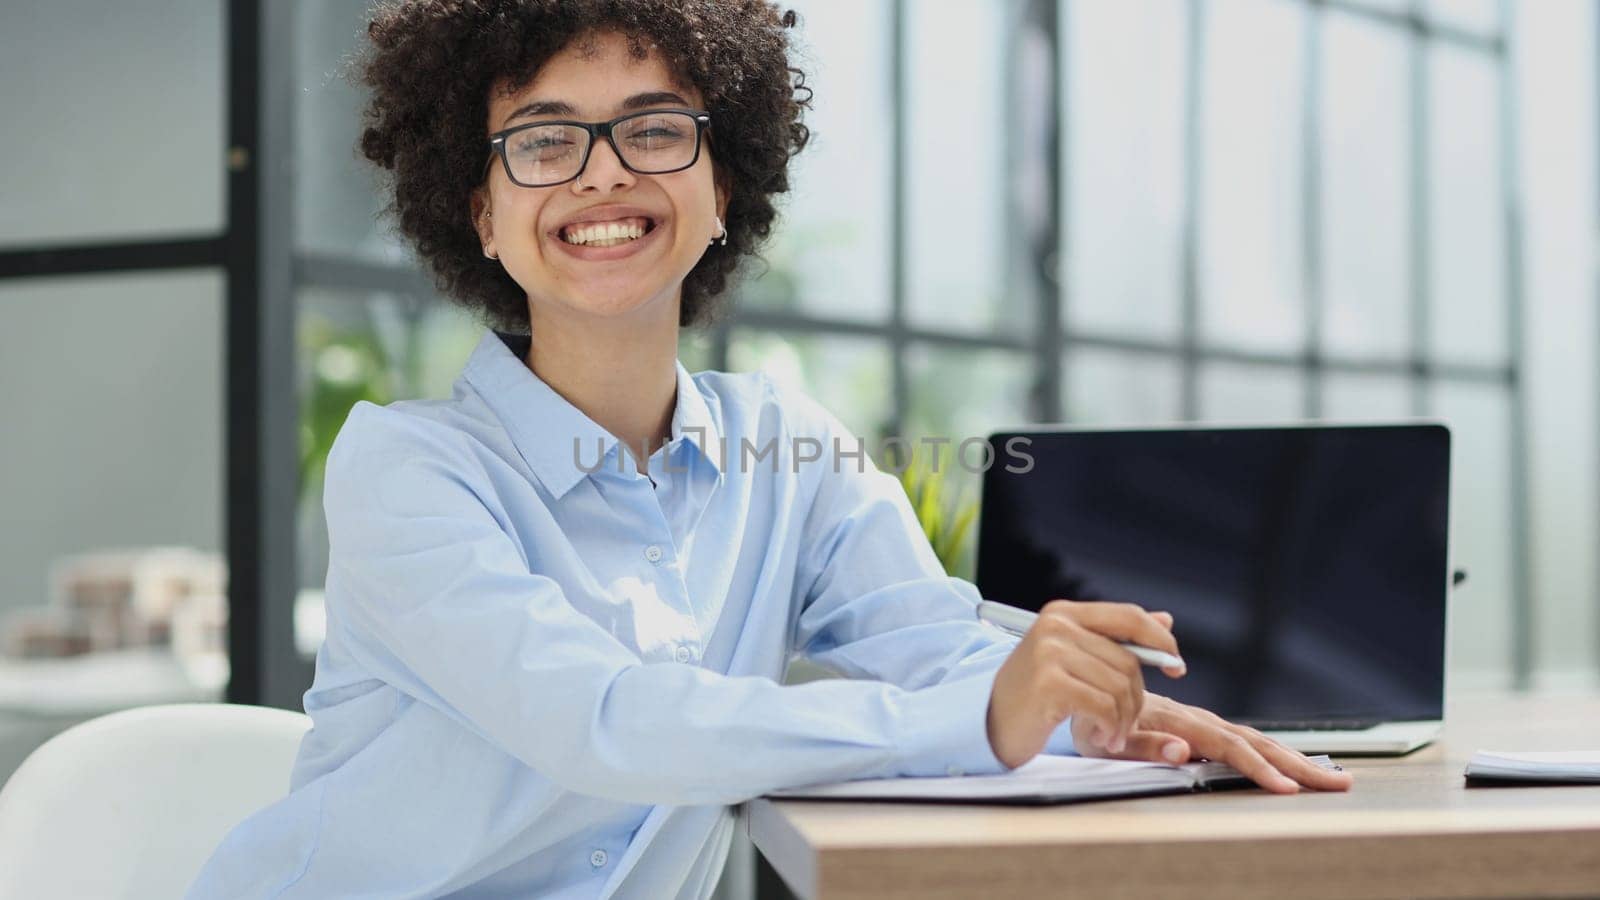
1172,732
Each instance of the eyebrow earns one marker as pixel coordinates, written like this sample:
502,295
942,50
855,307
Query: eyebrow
562,108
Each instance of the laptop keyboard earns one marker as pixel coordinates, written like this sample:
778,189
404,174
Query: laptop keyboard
1311,724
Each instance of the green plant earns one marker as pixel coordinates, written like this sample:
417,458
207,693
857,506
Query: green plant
945,507
345,365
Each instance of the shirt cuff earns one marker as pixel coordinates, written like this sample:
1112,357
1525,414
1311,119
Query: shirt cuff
944,729
1061,743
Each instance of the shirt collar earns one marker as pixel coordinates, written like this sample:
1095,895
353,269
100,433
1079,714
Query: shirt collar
544,425
694,421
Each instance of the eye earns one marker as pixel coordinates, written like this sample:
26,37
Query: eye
656,130
539,142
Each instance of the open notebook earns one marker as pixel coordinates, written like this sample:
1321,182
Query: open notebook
1554,767
1044,779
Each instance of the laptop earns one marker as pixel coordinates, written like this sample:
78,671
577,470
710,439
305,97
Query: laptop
1306,566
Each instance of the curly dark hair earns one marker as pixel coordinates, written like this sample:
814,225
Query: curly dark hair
431,64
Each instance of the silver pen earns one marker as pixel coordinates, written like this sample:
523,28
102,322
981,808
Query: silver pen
1018,621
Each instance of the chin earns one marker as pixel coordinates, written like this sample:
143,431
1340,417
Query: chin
613,301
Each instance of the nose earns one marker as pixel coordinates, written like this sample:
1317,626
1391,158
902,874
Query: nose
604,171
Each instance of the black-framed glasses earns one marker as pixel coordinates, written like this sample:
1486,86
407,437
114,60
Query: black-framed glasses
653,142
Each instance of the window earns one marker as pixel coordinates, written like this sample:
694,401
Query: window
113,294
1319,230
1258,210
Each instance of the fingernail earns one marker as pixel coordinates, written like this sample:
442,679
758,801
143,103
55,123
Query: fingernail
1118,744
1173,753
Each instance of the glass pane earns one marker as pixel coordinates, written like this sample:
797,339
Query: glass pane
146,76
375,347
848,375
1366,201
112,579
1353,397
1246,394
959,397
1465,210
1480,16
1393,6
697,349
830,257
337,199
967,393
1251,271
956,235
1481,530
1109,387
1124,165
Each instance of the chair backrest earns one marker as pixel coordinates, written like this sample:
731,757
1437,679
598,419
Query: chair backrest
130,805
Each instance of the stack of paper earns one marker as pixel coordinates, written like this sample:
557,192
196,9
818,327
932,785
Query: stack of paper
1042,780
1553,766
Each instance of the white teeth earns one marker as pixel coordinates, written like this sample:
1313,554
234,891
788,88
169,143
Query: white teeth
605,234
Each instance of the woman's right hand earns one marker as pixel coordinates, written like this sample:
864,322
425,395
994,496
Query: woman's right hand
1069,664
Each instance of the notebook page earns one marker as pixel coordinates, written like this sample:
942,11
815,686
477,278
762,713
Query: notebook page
1556,764
1043,776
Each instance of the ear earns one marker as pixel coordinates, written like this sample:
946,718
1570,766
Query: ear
481,221
724,190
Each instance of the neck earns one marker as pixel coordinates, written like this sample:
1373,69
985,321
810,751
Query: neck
620,372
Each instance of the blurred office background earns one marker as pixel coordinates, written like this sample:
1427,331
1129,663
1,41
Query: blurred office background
1097,211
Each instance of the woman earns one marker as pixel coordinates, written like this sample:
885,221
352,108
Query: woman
560,603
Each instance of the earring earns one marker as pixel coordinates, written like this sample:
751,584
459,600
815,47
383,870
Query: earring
721,237
488,214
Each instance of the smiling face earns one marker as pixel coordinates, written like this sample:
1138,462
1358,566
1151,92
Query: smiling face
570,268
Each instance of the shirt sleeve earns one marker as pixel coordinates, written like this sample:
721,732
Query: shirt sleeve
875,600
441,604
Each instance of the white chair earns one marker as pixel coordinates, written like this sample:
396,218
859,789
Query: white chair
131,804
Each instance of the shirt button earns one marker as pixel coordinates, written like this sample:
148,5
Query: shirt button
683,654
597,858
653,553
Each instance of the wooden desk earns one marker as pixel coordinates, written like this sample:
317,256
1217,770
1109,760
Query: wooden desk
1409,828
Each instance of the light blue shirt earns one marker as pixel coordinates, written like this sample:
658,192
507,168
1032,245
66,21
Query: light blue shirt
545,681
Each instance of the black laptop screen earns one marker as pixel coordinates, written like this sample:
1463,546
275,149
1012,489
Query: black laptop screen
1305,567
